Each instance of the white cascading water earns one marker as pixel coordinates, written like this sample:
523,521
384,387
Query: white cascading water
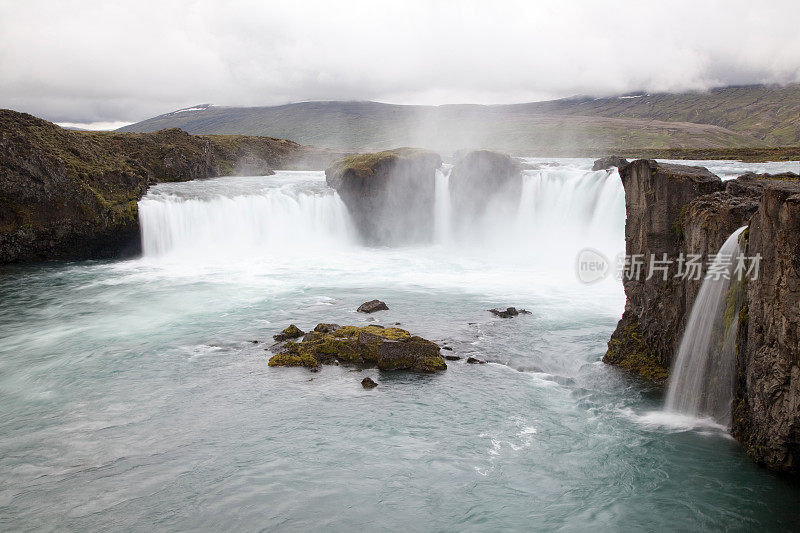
702,381
295,215
562,207
561,210
250,221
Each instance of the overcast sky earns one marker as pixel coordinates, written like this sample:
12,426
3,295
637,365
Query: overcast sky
84,61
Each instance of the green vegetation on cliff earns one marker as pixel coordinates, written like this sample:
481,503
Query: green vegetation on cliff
628,349
370,164
750,155
73,194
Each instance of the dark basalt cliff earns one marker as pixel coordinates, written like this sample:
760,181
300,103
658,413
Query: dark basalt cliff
390,194
657,197
73,195
675,209
766,415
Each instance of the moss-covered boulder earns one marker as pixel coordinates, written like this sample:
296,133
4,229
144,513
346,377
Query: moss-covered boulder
368,383
390,195
385,348
292,332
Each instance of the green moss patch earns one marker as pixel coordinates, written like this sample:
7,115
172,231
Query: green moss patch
365,166
627,349
293,355
292,332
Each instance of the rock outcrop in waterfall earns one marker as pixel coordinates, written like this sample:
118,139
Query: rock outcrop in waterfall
390,194
612,161
483,182
675,209
73,195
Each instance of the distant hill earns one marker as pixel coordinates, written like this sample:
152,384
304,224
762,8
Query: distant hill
731,117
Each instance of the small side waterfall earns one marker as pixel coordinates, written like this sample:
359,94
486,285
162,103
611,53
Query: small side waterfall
702,382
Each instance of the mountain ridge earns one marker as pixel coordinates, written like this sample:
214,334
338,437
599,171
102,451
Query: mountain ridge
756,116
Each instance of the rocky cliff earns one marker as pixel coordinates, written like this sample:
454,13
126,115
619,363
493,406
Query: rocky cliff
678,210
766,416
73,195
657,197
389,194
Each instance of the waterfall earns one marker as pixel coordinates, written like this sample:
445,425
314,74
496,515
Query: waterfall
207,219
561,210
575,201
702,381
442,215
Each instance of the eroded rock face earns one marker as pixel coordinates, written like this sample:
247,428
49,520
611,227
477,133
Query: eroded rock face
386,348
390,195
73,195
484,182
657,197
672,210
766,415
628,349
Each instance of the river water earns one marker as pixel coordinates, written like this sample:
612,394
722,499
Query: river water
133,398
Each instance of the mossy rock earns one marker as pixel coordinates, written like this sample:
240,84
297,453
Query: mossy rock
365,166
628,350
386,348
293,355
292,332
392,334
326,328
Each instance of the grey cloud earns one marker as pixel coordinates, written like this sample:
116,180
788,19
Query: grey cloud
84,61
